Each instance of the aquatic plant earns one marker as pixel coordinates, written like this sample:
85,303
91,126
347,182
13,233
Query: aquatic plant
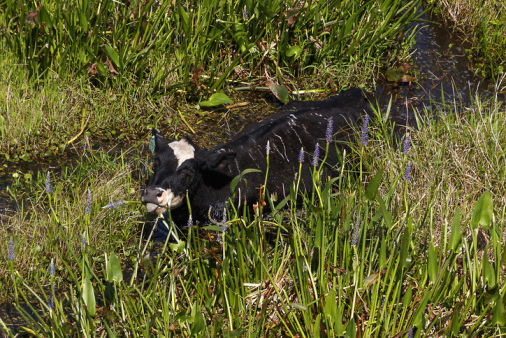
301,155
48,183
316,155
406,145
407,172
114,204
328,134
87,208
11,256
363,135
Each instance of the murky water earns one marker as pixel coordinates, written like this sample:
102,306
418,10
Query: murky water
441,65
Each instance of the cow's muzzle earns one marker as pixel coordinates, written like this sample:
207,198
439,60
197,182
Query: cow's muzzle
159,200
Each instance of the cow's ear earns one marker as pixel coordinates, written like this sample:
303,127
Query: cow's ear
186,174
218,160
160,142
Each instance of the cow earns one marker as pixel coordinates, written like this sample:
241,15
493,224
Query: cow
187,177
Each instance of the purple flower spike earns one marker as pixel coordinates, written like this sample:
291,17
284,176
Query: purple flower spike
190,221
245,12
115,204
407,172
316,155
11,250
330,126
407,145
356,234
365,127
87,208
48,183
301,155
84,242
51,268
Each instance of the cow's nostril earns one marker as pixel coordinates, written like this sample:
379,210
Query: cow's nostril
159,194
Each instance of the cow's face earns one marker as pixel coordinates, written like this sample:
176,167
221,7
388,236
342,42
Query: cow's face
175,172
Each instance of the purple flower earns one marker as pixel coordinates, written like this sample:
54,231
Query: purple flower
301,155
190,221
87,208
48,183
115,204
84,242
411,332
11,250
245,12
407,172
406,145
50,302
328,134
356,233
365,127
316,155
382,304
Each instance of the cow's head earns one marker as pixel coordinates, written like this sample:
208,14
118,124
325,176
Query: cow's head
176,172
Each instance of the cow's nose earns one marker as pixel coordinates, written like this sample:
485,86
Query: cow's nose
152,195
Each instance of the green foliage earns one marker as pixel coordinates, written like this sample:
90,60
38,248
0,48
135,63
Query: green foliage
169,43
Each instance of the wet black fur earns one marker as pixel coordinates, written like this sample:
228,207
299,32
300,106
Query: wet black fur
297,124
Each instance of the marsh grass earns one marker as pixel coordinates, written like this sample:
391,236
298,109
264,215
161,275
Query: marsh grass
484,24
169,45
374,254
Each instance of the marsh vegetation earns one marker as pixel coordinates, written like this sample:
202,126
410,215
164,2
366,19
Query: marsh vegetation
406,241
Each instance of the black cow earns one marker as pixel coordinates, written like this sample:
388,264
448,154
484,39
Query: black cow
181,169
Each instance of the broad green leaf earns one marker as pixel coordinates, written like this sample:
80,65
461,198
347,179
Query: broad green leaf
83,21
215,100
316,326
112,55
407,299
432,263
372,188
456,235
386,214
483,212
281,92
198,323
383,253
45,17
89,296
178,247
488,271
294,50
498,317
114,269
351,331
330,308
235,181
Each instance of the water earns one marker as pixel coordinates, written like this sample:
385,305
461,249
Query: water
443,66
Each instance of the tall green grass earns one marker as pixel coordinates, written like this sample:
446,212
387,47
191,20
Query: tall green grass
197,45
379,251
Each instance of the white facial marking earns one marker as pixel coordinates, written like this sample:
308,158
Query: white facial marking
172,200
182,150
